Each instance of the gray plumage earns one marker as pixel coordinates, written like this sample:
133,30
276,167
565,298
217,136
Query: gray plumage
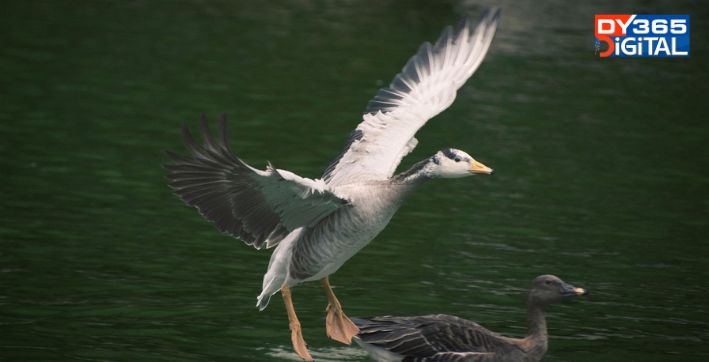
438,338
258,207
429,338
316,225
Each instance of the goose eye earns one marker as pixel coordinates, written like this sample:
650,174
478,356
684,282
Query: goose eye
457,159
548,282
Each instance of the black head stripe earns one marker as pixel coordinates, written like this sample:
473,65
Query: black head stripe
448,152
435,160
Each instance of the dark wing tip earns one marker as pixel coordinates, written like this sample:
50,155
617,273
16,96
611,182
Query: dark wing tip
464,22
444,38
490,16
200,179
204,129
385,101
187,138
495,14
222,128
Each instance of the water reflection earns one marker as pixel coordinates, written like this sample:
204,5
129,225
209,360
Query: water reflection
329,354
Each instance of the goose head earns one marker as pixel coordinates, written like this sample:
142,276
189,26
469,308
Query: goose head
452,163
549,289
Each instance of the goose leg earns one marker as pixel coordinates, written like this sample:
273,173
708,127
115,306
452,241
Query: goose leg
296,335
338,326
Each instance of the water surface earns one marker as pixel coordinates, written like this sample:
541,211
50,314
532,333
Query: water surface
601,177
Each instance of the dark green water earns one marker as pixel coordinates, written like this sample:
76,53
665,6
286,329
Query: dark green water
601,177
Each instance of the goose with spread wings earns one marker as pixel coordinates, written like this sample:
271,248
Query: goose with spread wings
316,225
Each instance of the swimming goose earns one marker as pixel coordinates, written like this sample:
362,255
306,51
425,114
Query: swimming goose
447,338
316,225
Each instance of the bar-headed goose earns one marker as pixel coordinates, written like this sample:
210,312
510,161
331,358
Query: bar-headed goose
318,224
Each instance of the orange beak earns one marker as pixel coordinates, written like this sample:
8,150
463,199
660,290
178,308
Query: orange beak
477,167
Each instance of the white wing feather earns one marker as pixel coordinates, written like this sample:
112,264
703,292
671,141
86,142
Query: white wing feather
426,86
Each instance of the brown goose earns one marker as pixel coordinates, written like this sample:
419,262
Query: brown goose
447,338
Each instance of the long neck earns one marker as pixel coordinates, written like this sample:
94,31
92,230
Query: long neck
418,173
536,322
537,333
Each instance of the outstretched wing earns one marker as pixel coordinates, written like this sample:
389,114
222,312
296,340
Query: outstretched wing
426,86
418,338
259,207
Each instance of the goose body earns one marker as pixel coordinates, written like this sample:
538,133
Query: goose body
316,225
323,249
438,338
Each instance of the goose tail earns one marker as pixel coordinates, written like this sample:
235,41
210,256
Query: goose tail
277,272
